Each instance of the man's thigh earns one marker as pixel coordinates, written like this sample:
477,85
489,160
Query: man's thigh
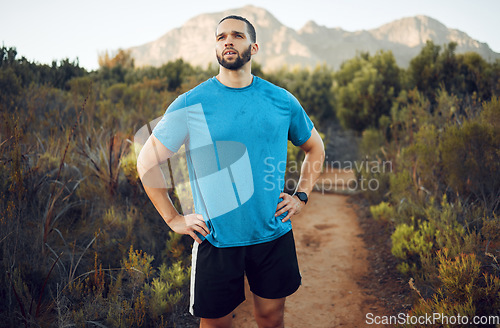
217,280
272,268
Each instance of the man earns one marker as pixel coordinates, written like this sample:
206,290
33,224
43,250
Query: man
235,128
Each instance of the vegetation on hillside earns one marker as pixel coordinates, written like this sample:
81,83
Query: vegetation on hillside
442,194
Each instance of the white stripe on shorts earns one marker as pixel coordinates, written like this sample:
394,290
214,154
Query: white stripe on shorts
194,257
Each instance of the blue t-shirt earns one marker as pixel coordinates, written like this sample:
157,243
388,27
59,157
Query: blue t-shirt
236,148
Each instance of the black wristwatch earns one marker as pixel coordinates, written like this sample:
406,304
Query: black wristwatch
302,196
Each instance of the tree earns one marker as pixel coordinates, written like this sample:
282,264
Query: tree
478,76
175,72
365,89
27,72
7,56
122,58
313,90
423,71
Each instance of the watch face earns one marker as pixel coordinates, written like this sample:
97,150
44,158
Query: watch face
302,196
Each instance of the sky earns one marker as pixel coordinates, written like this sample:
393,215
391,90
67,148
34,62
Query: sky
47,30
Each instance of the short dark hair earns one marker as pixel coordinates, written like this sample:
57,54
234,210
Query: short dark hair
250,28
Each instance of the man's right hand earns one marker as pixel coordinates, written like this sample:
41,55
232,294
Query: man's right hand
188,224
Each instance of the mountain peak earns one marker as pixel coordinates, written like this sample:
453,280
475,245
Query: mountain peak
311,24
252,13
252,8
422,18
312,44
311,27
412,31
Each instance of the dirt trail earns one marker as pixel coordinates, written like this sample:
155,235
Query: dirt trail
333,259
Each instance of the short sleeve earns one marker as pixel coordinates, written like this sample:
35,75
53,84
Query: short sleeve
300,124
172,129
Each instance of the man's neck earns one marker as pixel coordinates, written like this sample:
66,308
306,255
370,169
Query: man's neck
235,78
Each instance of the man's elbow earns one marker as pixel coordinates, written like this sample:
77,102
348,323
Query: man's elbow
317,147
140,168
321,152
318,151
141,164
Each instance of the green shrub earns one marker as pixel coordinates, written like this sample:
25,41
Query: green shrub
372,142
373,171
409,244
166,290
462,290
383,212
471,160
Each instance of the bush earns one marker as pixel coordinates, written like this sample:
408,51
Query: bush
471,161
462,290
366,86
383,212
410,245
444,194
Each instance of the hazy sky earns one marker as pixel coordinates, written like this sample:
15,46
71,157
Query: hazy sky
44,30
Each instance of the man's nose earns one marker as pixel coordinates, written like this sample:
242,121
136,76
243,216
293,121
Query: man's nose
229,42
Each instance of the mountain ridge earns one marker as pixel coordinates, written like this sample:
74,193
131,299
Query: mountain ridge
309,46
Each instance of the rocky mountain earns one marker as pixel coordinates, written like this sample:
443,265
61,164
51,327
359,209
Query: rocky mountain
311,45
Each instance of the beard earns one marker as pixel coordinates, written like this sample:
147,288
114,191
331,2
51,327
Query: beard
239,62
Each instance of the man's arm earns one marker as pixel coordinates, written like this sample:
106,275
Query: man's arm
309,174
148,165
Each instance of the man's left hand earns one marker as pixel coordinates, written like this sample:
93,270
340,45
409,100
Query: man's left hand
290,203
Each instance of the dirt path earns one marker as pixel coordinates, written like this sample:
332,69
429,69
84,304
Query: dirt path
333,259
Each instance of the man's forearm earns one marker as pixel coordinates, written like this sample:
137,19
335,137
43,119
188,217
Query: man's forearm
191,224
153,182
310,171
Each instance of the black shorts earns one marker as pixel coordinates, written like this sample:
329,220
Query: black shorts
217,274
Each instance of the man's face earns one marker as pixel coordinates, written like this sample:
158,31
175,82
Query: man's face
233,47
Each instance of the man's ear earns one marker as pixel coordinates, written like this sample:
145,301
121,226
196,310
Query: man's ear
255,49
